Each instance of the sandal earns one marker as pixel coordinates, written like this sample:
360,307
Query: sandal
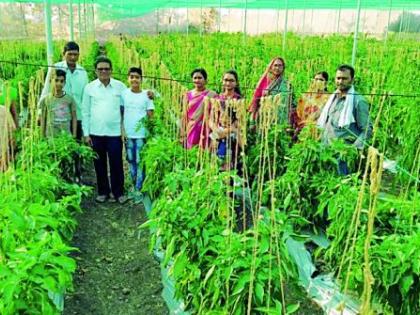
101,198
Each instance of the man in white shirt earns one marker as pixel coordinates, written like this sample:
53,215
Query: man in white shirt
76,80
102,124
137,108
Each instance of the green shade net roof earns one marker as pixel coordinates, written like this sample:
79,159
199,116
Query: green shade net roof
119,9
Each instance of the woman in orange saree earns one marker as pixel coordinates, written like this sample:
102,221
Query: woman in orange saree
311,103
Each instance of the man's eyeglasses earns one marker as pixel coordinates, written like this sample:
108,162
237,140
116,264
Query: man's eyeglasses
103,69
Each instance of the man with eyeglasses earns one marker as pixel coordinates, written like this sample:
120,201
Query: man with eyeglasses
76,80
102,124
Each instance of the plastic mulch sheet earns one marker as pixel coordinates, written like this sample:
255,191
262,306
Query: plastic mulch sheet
175,306
322,289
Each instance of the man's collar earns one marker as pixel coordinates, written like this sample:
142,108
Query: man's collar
63,64
111,80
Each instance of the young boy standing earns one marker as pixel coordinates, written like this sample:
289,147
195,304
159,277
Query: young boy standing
58,109
137,107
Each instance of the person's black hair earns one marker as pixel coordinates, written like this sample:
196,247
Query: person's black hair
345,68
235,74
136,70
71,46
103,59
199,70
324,74
60,73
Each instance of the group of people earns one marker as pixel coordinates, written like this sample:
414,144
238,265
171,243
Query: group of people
104,114
342,114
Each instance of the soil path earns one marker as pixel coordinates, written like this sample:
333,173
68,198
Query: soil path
116,274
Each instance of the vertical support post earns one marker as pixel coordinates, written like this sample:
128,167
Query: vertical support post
401,23
339,18
407,25
201,18
71,20
312,18
286,15
48,31
79,16
157,21
389,20
22,14
220,16
356,33
245,18
304,17
258,21
85,18
93,20
188,19
60,19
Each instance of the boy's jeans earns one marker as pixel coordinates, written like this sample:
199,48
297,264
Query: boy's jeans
133,149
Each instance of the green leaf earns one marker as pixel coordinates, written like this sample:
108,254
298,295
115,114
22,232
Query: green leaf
259,292
66,263
290,309
406,284
241,283
287,200
169,252
50,284
180,263
208,274
264,244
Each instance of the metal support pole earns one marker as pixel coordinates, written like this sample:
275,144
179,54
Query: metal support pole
356,33
407,25
157,21
401,23
312,18
188,19
245,18
258,21
93,21
389,20
79,16
201,18
60,19
304,17
71,20
48,31
85,18
339,17
220,16
22,14
286,15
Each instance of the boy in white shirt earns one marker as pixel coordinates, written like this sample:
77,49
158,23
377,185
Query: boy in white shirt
137,106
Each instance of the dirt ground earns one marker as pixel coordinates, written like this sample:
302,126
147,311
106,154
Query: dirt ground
116,274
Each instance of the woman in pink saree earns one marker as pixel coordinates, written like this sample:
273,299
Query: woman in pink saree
194,128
